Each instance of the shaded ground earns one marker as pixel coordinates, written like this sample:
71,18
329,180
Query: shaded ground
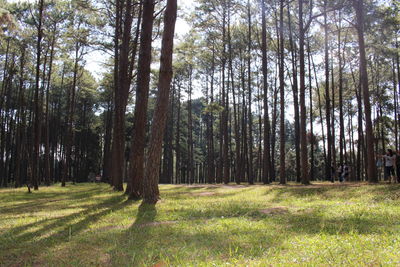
202,225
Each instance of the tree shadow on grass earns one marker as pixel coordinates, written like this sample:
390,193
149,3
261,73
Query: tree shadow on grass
386,192
148,243
282,193
36,238
340,192
45,201
212,193
362,223
139,232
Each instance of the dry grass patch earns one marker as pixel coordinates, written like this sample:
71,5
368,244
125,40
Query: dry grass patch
275,210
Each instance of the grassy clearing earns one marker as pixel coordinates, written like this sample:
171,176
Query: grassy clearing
90,225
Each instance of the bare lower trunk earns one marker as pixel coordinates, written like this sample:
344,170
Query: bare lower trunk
369,135
136,167
150,190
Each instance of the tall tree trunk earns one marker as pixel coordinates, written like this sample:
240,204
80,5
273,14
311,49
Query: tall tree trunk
47,129
36,144
150,191
333,117
295,90
106,177
2,126
69,138
395,104
20,140
282,168
136,170
303,116
121,100
249,88
168,160
274,122
328,163
244,155
341,115
178,137
369,135
190,163
225,102
319,108
210,138
267,145
312,138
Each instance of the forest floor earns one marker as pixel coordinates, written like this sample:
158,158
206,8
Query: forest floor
91,225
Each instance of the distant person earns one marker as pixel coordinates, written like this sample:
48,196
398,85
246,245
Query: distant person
390,162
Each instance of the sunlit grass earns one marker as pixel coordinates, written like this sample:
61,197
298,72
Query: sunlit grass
91,225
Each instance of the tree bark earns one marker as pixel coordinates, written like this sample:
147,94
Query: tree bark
121,100
295,89
266,142
303,116
151,191
136,166
282,168
249,88
328,164
36,144
369,135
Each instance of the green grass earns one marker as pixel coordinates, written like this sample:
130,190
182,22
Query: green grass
90,225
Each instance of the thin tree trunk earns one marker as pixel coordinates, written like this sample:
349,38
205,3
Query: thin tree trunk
190,164
249,88
36,144
370,155
20,140
341,115
312,138
282,171
47,129
267,145
178,138
69,139
328,163
305,179
295,98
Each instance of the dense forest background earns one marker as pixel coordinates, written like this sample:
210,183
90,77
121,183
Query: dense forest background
261,91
